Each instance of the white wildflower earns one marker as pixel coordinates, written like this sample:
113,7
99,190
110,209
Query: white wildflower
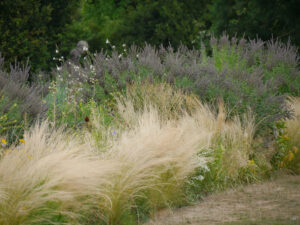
200,178
205,168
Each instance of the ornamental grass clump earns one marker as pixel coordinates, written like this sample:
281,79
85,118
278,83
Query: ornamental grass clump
229,153
54,178
155,148
293,133
154,158
235,139
133,167
49,179
293,125
230,141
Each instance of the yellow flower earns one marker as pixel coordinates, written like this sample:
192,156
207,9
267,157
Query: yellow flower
295,149
290,156
22,141
29,157
3,141
285,137
251,162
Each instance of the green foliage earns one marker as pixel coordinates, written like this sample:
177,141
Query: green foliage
20,103
174,22
68,106
286,156
161,22
266,19
246,76
11,121
289,77
217,176
282,142
253,76
34,28
134,21
30,28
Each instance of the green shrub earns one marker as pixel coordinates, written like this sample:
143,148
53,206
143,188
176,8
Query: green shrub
32,29
287,135
254,74
251,19
20,103
11,121
72,102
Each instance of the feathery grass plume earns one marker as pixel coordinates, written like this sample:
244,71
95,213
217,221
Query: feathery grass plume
154,157
293,132
237,138
154,152
170,103
54,177
50,178
293,125
229,153
232,142
235,135
99,136
221,118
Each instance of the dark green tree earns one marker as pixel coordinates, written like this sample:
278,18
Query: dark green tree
98,20
262,18
139,21
30,29
162,22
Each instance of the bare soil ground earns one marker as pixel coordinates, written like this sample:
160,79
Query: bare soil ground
275,202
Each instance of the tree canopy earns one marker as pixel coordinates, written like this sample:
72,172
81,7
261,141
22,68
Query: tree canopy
30,29
34,28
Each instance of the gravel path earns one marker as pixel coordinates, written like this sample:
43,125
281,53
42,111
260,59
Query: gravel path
275,202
